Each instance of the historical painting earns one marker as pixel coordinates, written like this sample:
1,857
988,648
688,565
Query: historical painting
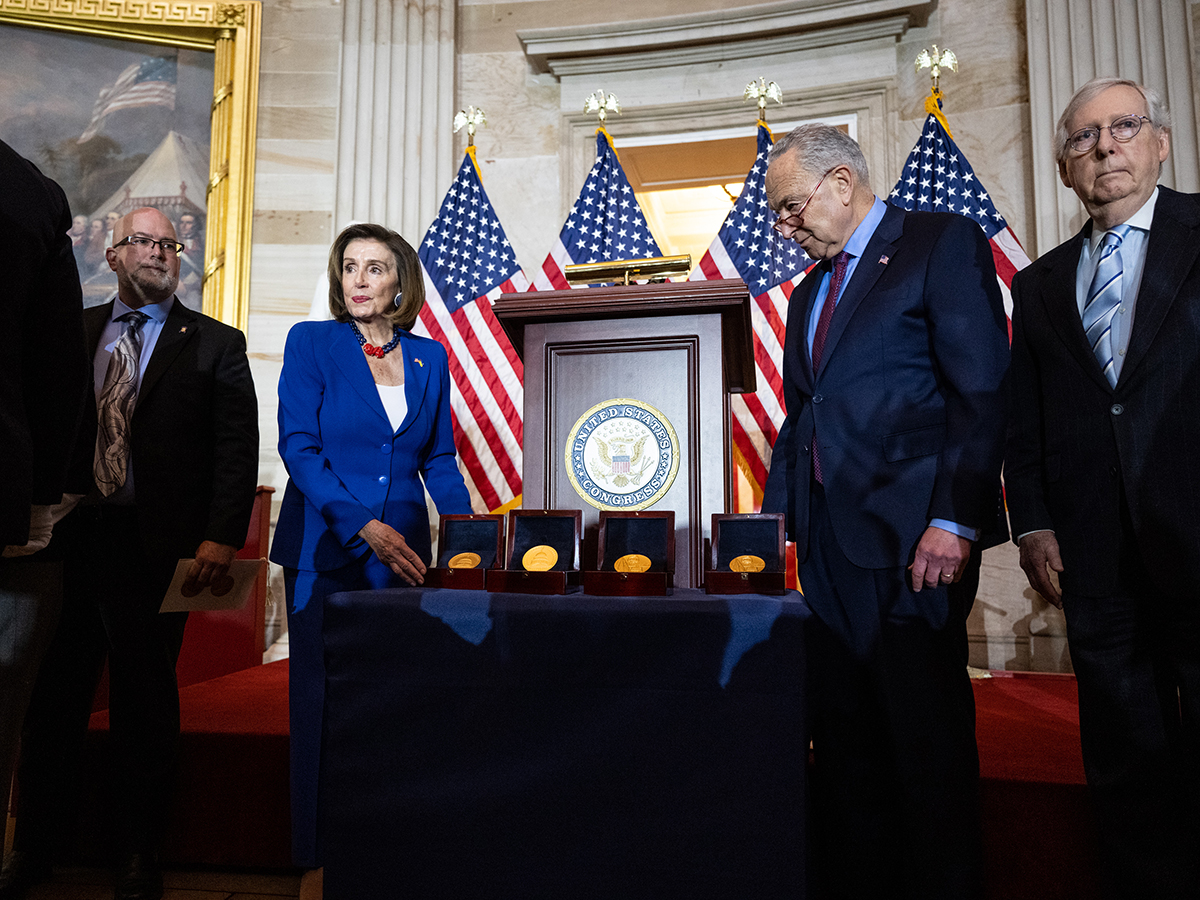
129,104
119,124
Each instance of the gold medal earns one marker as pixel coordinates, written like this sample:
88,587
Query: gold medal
464,561
632,562
540,558
747,563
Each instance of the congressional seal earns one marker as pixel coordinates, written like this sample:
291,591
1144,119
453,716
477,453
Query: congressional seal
622,454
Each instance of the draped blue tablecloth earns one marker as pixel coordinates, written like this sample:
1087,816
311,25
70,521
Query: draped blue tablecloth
512,746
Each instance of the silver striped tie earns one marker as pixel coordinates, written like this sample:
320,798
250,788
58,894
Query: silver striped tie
1103,300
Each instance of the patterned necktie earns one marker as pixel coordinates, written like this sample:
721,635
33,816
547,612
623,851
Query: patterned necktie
115,406
1103,300
818,349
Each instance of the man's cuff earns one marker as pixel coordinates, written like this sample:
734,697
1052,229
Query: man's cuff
971,534
1026,534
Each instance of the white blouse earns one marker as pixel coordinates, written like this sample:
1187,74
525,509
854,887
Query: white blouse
395,404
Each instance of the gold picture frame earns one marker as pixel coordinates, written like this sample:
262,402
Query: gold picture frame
232,31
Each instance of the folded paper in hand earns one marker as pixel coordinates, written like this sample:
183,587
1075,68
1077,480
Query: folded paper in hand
228,592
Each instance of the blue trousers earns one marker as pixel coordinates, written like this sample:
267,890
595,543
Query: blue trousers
306,592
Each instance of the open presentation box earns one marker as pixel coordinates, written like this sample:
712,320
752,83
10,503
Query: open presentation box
740,540
458,535
528,531
628,539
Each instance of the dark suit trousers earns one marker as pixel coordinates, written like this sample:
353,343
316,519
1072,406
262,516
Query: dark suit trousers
1137,660
112,593
30,598
895,780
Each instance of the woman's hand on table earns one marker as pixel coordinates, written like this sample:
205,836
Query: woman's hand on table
389,545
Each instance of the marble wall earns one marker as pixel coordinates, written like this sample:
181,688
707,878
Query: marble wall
533,155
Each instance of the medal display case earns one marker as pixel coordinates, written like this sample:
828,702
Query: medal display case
543,553
468,546
635,555
747,555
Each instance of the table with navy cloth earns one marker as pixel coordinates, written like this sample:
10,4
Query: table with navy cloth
484,745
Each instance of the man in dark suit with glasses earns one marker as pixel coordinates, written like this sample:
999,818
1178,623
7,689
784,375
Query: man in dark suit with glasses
1102,476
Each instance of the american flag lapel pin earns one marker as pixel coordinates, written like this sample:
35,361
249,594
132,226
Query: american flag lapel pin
883,260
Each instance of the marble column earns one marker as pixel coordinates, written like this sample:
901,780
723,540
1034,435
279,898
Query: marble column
395,156
1072,41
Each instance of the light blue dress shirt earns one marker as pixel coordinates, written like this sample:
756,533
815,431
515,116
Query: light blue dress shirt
1133,261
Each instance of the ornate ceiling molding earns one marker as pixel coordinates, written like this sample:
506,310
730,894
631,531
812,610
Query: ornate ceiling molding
717,36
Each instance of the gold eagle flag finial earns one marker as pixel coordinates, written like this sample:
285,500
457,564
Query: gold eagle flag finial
472,118
762,91
935,62
601,104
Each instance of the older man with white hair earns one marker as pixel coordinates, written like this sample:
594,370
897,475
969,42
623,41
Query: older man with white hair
1103,481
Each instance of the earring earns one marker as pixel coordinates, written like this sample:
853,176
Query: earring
397,300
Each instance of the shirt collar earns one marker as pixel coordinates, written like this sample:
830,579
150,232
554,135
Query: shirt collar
1141,219
866,228
156,311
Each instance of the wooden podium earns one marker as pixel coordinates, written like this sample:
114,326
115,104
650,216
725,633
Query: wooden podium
678,347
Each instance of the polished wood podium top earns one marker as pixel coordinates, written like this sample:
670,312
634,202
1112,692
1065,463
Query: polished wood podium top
729,297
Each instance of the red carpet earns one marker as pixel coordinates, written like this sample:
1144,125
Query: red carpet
232,802
1038,841
233,792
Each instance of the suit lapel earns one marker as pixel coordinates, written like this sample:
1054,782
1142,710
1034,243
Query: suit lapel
800,306
1062,307
1170,254
95,318
416,379
348,356
866,273
177,330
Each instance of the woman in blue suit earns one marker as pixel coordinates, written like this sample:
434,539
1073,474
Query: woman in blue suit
364,421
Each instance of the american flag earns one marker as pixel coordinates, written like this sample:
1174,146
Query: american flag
938,178
605,223
148,83
747,247
468,263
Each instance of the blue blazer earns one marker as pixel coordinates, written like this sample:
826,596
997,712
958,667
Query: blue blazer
909,404
345,463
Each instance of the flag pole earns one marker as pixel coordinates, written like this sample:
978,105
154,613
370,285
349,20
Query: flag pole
762,91
935,62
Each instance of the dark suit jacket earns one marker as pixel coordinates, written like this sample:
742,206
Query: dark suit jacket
909,403
1075,442
194,434
43,364
346,463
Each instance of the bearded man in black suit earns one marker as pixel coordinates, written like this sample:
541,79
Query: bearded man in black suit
1103,481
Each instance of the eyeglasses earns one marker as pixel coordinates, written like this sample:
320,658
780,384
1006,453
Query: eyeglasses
145,243
794,220
1123,129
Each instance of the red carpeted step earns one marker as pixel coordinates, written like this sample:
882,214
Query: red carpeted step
1037,832
232,806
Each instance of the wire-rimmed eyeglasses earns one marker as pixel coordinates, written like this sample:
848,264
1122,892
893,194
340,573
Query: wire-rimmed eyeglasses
1122,129
794,220
144,243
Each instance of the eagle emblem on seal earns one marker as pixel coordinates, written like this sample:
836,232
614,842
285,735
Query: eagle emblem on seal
620,461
